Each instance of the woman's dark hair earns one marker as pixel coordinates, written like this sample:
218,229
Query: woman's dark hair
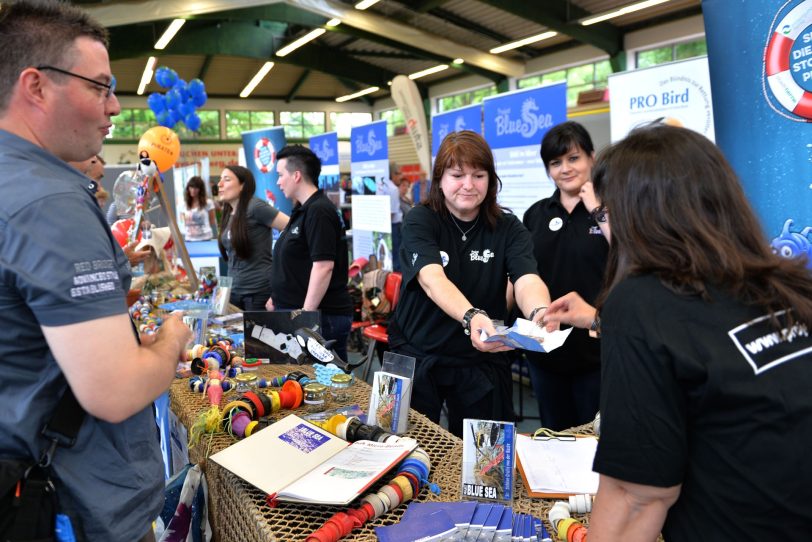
678,211
238,223
195,182
563,137
466,148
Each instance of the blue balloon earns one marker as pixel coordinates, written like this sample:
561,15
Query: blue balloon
187,108
156,102
192,122
183,89
173,99
196,87
163,119
173,117
200,99
165,77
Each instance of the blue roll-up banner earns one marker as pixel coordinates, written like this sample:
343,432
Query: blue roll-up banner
464,118
371,213
326,148
760,57
260,157
515,123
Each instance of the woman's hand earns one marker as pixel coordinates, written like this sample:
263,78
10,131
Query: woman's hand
570,309
269,304
587,195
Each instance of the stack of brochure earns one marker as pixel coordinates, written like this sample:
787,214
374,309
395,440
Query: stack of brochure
463,522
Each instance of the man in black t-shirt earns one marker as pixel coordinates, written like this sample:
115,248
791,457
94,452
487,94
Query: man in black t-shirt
310,262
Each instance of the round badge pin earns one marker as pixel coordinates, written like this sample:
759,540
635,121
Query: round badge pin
556,224
444,257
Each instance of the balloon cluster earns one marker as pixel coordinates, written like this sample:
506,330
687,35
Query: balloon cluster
180,101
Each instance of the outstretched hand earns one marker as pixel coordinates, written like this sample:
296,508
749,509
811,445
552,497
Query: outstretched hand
480,322
570,309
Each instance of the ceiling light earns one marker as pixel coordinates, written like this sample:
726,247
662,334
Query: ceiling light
146,77
631,8
428,71
458,61
520,43
358,94
170,32
263,71
364,4
310,36
333,22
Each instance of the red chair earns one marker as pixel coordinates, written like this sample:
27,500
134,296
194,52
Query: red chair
377,333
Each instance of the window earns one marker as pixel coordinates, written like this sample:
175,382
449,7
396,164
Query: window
131,123
455,101
669,53
209,126
395,123
238,122
302,125
579,78
343,122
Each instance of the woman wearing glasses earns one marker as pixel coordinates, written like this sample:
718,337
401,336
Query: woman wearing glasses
706,414
459,251
570,246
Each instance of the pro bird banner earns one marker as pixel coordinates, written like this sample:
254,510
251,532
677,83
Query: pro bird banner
261,147
464,118
326,148
515,124
760,56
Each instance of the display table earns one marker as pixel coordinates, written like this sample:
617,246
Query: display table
239,512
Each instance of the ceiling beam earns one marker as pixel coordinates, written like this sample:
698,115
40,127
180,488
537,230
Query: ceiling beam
296,86
338,64
407,36
140,11
422,6
204,69
556,14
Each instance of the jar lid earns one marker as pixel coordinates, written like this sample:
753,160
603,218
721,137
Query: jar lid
341,380
246,378
314,387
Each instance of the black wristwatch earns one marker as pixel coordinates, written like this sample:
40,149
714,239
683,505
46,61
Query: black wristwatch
468,316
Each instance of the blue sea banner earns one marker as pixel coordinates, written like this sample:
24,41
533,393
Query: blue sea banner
464,118
326,148
760,59
261,147
515,123
369,157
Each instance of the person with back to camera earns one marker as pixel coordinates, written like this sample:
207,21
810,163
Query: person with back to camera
571,250
245,237
63,281
198,216
459,251
311,267
706,355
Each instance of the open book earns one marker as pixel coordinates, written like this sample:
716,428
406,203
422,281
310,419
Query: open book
527,335
293,460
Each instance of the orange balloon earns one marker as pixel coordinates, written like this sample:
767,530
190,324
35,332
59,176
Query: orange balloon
161,145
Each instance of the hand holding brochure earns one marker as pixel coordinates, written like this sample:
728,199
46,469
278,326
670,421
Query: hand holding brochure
297,461
526,335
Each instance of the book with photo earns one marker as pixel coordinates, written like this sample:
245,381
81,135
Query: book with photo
389,402
293,460
488,460
269,335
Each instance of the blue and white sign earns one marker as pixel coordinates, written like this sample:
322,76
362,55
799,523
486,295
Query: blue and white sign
679,93
369,157
326,148
464,118
261,147
760,58
515,124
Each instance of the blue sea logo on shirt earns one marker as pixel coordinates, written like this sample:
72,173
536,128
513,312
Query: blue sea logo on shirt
444,257
765,347
556,223
595,230
487,254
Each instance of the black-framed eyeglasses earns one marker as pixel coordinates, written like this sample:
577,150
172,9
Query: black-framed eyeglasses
109,87
599,214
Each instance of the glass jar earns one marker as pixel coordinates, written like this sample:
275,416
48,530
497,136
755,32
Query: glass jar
340,387
245,382
315,396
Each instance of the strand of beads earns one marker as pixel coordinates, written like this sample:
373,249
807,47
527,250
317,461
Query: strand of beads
568,528
244,416
412,474
145,317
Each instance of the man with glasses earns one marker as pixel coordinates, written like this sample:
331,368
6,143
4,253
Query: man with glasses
63,281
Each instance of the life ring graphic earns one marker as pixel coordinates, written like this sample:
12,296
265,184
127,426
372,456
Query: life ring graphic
264,155
788,62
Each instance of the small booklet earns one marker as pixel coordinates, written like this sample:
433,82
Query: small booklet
293,460
460,513
527,335
488,460
389,402
437,525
